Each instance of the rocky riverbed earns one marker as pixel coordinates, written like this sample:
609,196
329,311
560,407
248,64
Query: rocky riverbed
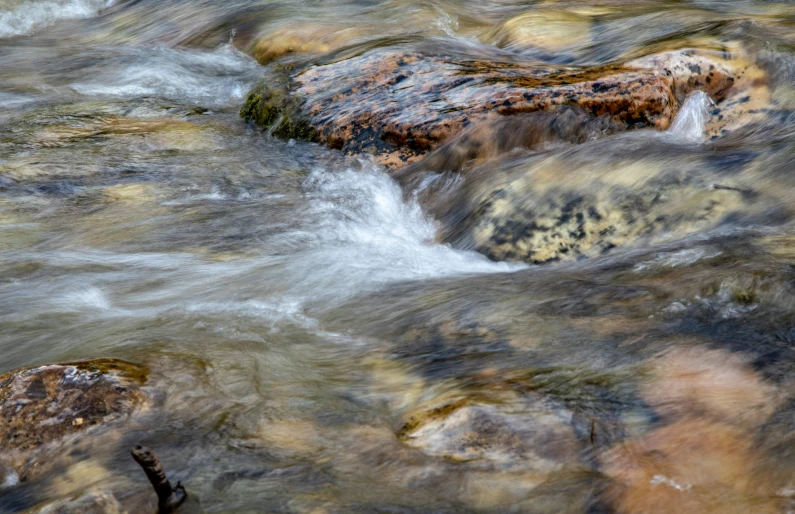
398,256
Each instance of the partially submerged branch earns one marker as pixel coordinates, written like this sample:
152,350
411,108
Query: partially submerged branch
168,499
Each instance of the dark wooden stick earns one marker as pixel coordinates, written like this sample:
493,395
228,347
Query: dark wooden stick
168,499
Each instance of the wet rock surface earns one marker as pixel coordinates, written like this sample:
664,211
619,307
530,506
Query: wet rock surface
501,134
692,466
685,435
400,104
323,341
422,112
695,382
738,85
43,406
553,209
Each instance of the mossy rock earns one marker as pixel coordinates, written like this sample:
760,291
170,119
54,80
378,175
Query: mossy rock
270,105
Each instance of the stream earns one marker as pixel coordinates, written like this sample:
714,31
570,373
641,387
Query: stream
321,341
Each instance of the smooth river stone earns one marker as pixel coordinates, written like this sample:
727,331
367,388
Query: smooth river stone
693,466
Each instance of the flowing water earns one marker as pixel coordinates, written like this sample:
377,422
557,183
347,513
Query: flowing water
296,307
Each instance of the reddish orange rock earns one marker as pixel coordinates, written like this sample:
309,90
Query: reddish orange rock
399,106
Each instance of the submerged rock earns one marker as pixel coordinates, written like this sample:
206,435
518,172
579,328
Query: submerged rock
532,436
690,467
44,406
301,39
710,383
529,213
92,502
546,29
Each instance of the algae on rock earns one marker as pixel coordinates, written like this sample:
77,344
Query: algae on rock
270,105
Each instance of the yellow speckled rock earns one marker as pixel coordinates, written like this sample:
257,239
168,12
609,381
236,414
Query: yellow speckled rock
732,78
536,217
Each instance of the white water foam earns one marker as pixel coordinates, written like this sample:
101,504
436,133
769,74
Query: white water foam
89,298
28,16
678,259
354,233
692,118
13,101
11,479
217,78
368,229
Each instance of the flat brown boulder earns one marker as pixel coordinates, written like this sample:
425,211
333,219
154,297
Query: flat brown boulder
399,104
43,406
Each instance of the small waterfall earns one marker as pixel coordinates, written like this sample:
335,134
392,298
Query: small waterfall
692,117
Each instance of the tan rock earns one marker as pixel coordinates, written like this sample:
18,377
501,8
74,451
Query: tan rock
300,39
732,78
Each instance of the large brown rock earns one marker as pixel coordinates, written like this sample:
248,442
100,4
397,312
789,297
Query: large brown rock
43,406
400,104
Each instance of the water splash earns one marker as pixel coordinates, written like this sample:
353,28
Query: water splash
692,118
29,16
218,78
365,234
446,23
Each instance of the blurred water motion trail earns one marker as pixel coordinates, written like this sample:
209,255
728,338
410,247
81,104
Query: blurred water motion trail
324,335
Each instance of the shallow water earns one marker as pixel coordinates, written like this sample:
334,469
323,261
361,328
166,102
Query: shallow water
297,307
